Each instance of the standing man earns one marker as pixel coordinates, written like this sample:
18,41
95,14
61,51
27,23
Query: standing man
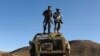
47,19
57,20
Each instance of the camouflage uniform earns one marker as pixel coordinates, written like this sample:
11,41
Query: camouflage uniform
47,19
57,20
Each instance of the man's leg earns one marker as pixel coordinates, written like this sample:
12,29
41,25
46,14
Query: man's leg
49,26
58,27
44,27
54,26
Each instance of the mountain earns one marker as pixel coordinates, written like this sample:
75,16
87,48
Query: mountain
84,48
78,48
24,51
5,54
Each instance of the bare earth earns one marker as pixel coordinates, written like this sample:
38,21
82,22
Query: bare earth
78,48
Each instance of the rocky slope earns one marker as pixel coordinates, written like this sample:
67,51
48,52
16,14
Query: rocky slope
78,48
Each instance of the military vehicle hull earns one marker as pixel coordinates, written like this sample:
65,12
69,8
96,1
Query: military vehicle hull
52,44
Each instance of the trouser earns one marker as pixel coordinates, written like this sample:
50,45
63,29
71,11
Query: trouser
45,26
57,27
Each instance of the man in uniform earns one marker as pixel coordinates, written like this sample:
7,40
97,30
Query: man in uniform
47,19
57,20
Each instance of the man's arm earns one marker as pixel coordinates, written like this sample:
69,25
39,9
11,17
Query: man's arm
51,16
61,20
45,13
50,13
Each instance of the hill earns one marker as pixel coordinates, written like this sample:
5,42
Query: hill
78,48
84,48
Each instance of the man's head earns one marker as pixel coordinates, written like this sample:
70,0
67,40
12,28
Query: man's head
49,7
57,9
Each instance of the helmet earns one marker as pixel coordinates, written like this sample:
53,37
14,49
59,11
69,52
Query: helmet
49,6
57,9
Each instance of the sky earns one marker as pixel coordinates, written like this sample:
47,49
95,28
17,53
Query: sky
20,20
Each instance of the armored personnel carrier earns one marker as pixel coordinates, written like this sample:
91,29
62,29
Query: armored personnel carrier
52,44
